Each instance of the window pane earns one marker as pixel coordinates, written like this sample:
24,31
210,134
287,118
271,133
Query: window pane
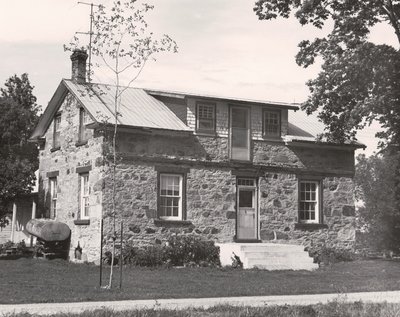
240,137
170,195
205,117
246,198
239,118
308,205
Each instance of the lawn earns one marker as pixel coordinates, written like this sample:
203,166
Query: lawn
332,309
36,280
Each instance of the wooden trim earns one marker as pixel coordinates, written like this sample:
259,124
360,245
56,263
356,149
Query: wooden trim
171,169
201,131
310,226
80,143
83,169
82,222
178,223
319,180
52,174
184,199
272,137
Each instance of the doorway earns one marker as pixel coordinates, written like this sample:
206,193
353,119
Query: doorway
247,210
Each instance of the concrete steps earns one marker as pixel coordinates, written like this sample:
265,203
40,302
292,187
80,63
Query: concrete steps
268,256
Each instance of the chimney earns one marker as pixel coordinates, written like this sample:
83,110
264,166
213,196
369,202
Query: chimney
78,58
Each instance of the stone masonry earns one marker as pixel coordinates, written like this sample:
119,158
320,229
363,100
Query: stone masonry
210,183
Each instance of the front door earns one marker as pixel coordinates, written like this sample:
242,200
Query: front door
247,217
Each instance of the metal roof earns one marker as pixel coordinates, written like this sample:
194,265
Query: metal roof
137,108
182,95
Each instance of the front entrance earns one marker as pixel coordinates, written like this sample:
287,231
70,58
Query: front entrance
247,215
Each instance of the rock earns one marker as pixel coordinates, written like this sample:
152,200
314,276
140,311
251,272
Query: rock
150,230
348,211
134,228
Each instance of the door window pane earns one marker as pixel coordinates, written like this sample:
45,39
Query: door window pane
246,198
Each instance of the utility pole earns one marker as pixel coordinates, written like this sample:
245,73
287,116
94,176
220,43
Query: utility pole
90,35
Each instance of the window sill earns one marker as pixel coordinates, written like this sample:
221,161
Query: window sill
80,143
82,222
55,149
181,223
310,226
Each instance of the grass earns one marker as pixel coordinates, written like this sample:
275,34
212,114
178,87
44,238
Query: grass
332,309
36,280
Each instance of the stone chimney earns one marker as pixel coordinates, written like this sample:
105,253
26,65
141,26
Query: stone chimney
78,58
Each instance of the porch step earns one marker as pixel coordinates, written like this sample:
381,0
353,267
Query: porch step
268,256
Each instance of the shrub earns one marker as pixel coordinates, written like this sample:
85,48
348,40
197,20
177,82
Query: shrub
153,255
328,255
236,262
186,250
178,251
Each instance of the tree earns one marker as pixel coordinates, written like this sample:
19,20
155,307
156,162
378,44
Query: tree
19,159
123,43
359,81
376,179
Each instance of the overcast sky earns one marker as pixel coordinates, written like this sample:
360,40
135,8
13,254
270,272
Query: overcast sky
223,49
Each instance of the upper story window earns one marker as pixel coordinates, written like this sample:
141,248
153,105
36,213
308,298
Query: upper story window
309,202
83,120
84,196
271,123
170,196
205,117
53,197
57,131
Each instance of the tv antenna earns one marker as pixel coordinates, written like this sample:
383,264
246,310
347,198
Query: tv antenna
90,34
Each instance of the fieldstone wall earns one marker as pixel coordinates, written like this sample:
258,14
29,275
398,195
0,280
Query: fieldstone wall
279,212
211,190
211,149
210,204
210,184
63,163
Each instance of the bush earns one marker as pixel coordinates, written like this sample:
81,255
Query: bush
153,255
178,251
328,255
189,250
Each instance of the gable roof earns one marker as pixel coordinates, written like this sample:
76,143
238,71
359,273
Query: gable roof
137,108
143,108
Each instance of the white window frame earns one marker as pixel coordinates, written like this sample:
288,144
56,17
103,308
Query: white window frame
160,196
83,119
84,196
57,131
213,119
266,133
53,196
317,201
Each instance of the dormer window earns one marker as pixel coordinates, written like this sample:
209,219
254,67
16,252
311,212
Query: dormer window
271,123
205,118
57,131
83,119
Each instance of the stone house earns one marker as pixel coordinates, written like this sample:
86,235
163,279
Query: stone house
231,170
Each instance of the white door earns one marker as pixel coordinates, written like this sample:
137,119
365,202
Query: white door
247,218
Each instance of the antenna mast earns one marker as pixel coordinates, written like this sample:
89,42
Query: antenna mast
90,35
